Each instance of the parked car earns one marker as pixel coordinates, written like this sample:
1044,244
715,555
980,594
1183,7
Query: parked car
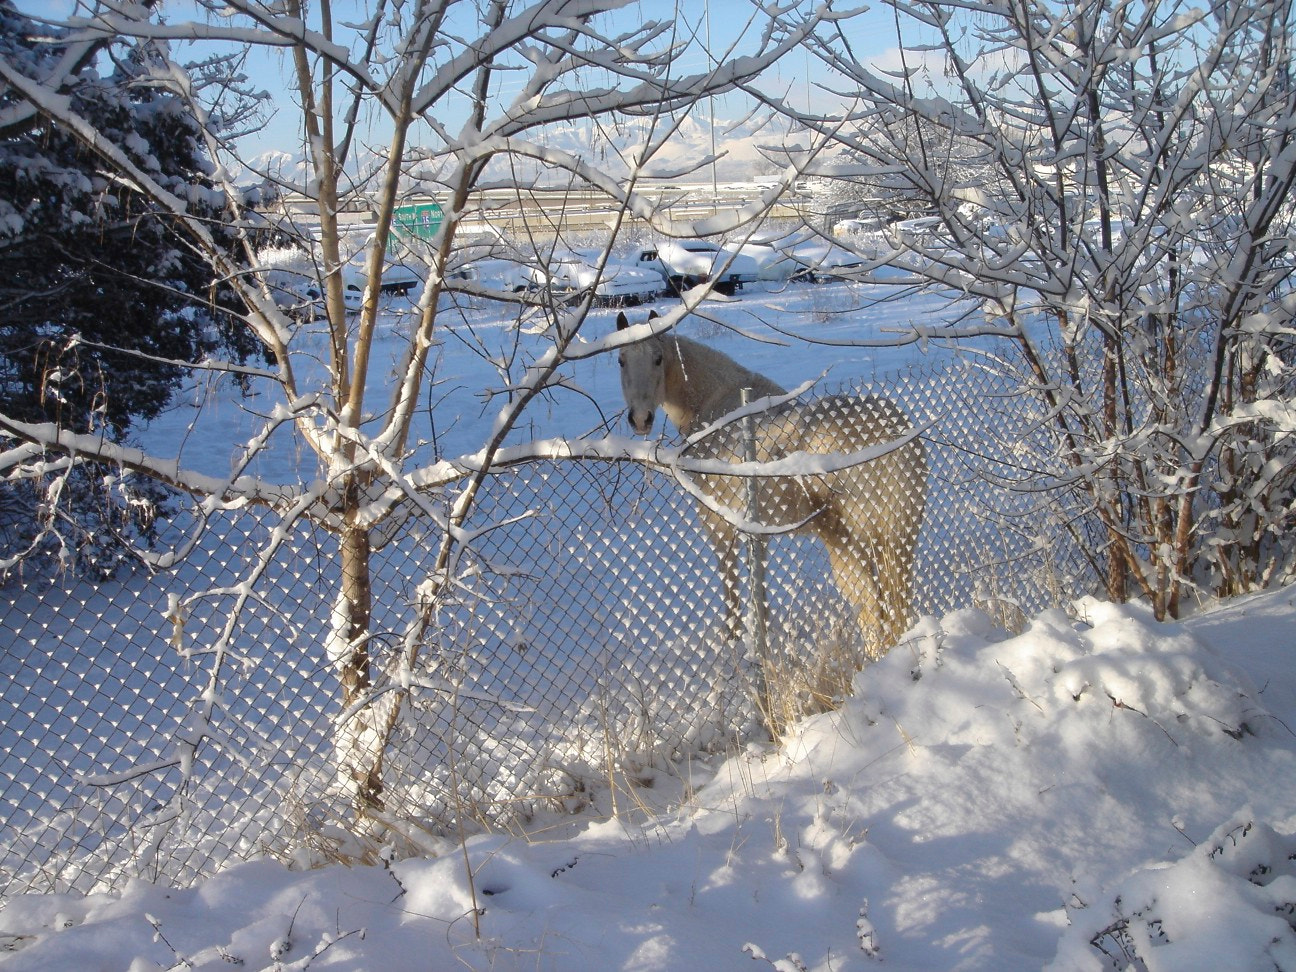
857,225
757,258
684,264
293,277
397,278
499,274
296,293
576,272
802,255
920,231
292,280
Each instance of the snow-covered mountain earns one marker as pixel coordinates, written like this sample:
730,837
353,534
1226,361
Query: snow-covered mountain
276,165
674,148
744,148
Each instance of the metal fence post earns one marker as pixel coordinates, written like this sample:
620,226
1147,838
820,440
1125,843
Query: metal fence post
756,606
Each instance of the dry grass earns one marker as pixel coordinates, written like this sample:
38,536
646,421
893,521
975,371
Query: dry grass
811,663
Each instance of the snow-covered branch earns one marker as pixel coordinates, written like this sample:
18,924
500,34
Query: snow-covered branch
33,440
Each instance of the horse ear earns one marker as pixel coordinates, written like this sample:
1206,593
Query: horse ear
622,323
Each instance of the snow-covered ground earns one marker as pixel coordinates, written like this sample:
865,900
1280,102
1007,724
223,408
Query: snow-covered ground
984,802
1096,787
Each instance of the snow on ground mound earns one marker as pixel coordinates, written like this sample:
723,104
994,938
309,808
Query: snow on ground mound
1099,792
1228,904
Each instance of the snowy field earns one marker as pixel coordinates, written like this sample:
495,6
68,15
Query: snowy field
984,802
1095,788
794,333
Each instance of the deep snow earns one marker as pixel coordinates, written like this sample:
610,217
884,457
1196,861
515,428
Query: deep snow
984,801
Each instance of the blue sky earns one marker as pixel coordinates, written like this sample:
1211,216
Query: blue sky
728,26
716,27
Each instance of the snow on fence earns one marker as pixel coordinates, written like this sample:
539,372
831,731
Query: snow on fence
588,634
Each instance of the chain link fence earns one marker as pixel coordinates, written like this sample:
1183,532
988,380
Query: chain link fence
585,634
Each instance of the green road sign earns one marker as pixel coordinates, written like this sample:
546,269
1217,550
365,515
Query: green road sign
417,222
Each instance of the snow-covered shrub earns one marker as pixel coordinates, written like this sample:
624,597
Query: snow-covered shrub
1136,259
83,519
1229,903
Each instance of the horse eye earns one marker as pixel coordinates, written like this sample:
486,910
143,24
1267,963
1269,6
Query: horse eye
621,360
657,360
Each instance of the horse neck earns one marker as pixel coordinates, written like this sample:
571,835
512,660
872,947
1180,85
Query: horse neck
703,383
683,383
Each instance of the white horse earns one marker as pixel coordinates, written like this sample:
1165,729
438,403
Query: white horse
867,515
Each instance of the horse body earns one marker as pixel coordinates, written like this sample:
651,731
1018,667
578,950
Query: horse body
867,515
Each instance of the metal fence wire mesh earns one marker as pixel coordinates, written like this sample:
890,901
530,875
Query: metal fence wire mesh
592,627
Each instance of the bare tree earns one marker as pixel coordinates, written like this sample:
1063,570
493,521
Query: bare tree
479,83
1129,230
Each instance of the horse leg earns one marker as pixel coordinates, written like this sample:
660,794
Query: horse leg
895,546
724,541
873,574
853,573
893,560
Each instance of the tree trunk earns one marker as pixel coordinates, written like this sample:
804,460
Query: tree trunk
360,738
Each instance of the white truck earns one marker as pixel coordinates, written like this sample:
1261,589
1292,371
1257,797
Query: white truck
576,272
684,264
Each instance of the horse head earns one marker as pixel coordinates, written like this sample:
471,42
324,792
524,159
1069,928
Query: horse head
643,378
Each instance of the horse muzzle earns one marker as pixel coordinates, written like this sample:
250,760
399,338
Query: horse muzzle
641,422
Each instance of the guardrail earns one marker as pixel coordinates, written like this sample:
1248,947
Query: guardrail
543,213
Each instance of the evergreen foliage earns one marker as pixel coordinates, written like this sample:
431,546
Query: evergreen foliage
99,296
101,301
